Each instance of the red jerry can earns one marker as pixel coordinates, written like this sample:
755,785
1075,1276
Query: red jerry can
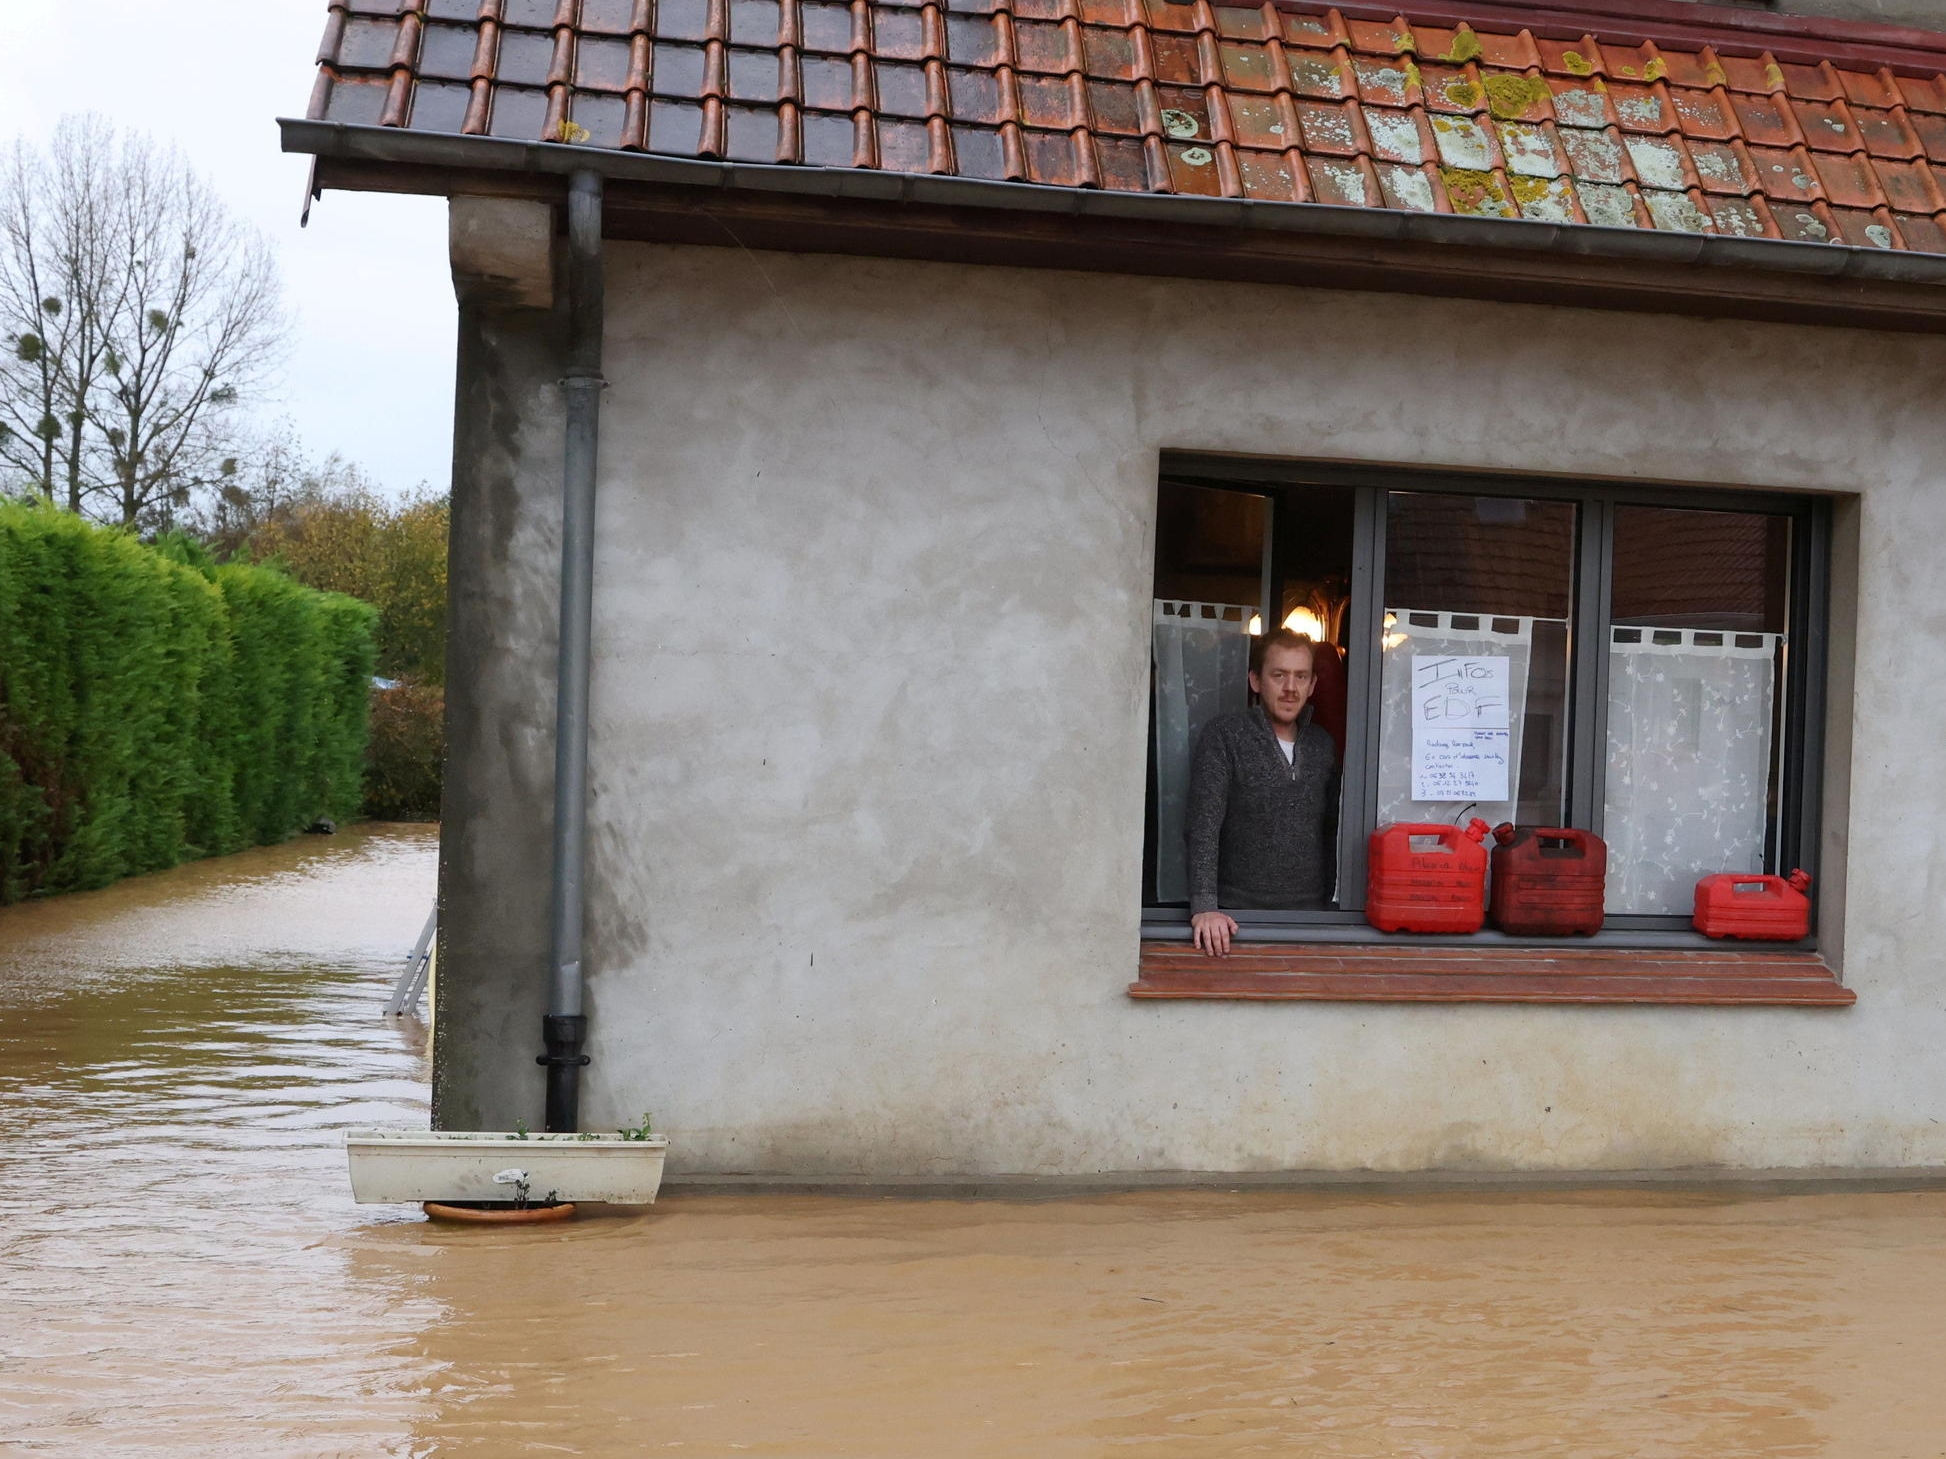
1548,881
1427,878
1769,908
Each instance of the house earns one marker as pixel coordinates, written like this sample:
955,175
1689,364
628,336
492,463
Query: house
917,409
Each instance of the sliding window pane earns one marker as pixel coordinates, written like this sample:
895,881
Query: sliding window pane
1474,687
1695,691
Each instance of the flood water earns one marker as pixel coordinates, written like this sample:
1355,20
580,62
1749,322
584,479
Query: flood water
182,1271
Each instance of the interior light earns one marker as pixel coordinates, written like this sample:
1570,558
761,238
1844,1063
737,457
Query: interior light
1304,621
1256,624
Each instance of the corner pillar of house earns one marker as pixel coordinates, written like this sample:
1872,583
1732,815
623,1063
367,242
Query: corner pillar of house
497,818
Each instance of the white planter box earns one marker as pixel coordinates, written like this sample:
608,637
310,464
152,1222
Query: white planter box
396,1166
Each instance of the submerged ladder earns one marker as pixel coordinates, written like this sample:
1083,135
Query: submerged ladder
418,967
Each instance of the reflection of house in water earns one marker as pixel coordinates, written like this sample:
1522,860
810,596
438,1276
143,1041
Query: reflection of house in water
959,386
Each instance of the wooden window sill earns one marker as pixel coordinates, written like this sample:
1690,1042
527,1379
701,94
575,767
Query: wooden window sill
1347,973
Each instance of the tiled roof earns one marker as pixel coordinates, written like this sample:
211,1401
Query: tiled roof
1280,102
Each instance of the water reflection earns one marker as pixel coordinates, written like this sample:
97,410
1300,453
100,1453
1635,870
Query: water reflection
182,1271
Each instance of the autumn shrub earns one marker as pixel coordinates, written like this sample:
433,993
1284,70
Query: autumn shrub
389,553
155,707
407,749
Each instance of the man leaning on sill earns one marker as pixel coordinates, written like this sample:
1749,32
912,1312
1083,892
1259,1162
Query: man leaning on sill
1263,789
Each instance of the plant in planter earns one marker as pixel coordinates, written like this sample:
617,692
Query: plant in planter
522,1188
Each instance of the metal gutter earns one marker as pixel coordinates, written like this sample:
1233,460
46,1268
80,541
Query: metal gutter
564,1028
1640,245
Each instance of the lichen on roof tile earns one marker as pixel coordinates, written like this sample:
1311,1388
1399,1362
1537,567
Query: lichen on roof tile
1862,229
1464,143
1327,129
1641,109
1309,30
1802,225
1407,188
1677,212
1608,207
1267,176
1386,82
1528,149
1579,104
1451,89
1786,174
1513,96
1318,76
1594,156
1721,169
1395,135
1738,218
1342,183
1478,193
1545,200
1703,114
1658,162
1827,128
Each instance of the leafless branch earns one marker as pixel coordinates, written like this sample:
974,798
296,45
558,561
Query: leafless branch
139,319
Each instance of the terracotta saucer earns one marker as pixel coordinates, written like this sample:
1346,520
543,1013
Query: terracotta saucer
500,1215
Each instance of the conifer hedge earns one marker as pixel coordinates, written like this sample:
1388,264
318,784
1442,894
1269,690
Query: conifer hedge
155,707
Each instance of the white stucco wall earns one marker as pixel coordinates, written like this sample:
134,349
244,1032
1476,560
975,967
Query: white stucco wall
872,609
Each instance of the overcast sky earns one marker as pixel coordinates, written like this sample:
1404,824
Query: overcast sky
372,371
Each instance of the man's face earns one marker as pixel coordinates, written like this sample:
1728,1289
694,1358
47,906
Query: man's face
1284,684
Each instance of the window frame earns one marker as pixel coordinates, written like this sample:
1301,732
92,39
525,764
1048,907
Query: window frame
1800,755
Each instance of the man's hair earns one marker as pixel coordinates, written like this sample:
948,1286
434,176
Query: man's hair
1281,638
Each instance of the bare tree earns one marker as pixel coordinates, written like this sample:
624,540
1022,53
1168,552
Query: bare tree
137,317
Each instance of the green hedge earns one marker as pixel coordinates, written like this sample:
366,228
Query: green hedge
155,708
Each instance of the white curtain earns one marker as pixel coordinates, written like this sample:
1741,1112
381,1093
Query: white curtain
1410,631
1202,667
1689,761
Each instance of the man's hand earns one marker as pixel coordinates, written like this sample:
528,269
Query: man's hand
1212,931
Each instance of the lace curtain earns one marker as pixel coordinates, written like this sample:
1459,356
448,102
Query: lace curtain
1201,654
1689,761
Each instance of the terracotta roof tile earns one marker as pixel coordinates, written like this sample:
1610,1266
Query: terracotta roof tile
1352,106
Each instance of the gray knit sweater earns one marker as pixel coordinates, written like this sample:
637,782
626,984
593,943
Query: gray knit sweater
1259,829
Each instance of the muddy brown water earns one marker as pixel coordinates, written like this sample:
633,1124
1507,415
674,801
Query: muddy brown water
182,1271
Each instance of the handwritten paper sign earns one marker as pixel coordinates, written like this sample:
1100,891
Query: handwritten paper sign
1460,739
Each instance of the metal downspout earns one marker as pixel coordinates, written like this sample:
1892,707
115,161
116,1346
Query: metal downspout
564,1028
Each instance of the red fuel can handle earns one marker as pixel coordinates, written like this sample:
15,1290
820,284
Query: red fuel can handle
1548,881
1763,908
1427,878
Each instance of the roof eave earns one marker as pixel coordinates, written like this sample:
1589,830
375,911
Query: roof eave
447,158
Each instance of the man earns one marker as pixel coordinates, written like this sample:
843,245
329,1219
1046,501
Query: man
1263,793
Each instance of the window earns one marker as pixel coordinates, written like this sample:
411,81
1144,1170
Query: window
1661,653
